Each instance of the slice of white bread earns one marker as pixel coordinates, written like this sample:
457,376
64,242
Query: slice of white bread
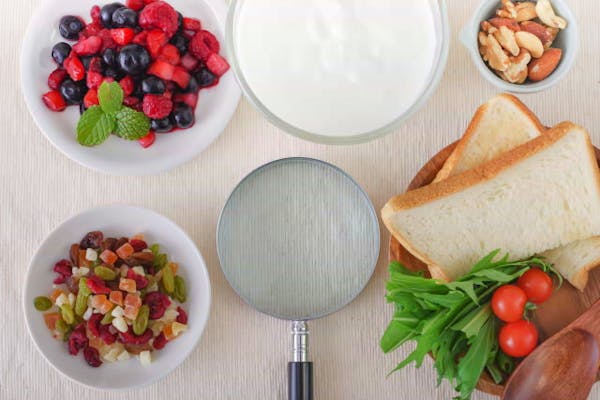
538,196
575,260
497,127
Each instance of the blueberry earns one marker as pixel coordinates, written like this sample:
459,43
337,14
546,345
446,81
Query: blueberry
82,108
73,92
133,59
161,125
114,73
106,14
153,85
192,87
109,57
70,26
85,60
181,42
179,21
60,51
124,18
205,78
183,115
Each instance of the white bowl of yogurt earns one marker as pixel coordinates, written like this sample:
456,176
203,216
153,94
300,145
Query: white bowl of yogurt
338,71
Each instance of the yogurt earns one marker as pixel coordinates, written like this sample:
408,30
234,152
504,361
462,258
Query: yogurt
336,67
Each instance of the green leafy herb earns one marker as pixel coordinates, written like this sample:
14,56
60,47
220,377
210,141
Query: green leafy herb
453,321
98,122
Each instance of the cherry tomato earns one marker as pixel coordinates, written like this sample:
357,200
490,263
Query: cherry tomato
537,285
508,303
518,339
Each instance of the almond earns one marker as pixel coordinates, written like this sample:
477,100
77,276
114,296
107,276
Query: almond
509,23
541,68
539,30
530,42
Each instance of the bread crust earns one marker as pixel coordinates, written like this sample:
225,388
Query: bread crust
464,142
472,177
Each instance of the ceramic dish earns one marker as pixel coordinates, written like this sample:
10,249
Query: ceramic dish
118,220
567,40
116,156
441,33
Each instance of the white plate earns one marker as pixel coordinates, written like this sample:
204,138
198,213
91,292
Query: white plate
116,156
118,220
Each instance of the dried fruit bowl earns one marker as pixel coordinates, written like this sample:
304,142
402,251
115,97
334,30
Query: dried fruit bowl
567,40
118,157
113,220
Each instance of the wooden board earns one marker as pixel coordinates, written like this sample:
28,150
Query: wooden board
561,309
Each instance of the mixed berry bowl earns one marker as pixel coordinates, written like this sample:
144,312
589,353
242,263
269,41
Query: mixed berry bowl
167,59
152,327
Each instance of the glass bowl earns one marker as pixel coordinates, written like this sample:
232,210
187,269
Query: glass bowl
442,34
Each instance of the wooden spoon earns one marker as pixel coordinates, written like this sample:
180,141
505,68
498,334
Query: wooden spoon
564,366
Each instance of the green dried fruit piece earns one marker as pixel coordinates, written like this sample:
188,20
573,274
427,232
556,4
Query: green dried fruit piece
81,302
105,273
83,287
107,319
160,260
168,280
42,303
62,326
141,322
67,313
180,292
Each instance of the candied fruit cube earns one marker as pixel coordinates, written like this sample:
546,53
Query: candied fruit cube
50,320
178,328
133,300
55,294
116,296
125,251
174,267
101,303
131,312
127,285
108,257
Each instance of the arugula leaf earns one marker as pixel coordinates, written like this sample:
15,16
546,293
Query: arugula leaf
131,124
110,96
94,126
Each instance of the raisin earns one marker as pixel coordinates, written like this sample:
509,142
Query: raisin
108,244
92,240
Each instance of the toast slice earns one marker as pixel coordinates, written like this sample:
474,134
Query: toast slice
538,196
575,260
498,126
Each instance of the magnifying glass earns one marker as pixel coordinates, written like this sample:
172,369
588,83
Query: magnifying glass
298,239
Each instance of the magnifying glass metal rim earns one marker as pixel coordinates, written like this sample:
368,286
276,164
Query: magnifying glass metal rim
371,209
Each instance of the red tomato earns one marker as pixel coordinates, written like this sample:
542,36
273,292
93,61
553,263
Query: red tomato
537,285
518,339
508,303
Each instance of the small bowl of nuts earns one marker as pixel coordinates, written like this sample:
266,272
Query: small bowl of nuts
522,46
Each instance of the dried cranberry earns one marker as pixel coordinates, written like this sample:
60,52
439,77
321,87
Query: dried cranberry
131,338
64,270
106,335
140,281
160,341
158,303
92,356
92,240
96,285
72,284
78,339
93,324
182,318
138,245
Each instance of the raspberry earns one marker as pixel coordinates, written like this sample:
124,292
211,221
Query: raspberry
56,77
147,140
160,341
158,303
217,64
122,36
88,46
92,357
159,15
203,44
189,62
182,318
95,64
74,67
92,29
78,339
91,98
128,85
94,80
138,245
107,40
192,24
95,14
157,106
135,5
131,101
170,54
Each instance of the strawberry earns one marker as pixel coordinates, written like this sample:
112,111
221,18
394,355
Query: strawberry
146,2
156,106
217,64
95,64
170,54
189,62
107,40
94,79
88,46
91,98
147,140
95,14
140,38
122,36
181,77
131,101
128,85
159,15
135,5
191,99
92,29
162,69
192,24
56,77
155,40
203,44
54,101
74,67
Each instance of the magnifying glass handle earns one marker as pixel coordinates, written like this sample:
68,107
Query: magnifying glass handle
300,371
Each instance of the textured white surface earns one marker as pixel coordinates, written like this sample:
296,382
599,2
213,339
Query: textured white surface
243,353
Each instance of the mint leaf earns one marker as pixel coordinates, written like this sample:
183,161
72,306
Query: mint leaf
110,96
131,124
94,126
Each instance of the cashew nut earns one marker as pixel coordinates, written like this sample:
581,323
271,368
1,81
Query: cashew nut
530,42
525,11
487,27
517,70
508,10
506,38
547,15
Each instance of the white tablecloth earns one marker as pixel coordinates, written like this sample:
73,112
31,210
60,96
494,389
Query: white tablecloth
242,354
